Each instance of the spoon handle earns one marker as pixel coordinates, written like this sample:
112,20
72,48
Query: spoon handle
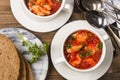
116,38
115,27
111,17
116,48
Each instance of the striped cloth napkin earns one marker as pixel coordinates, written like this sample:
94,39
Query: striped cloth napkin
112,11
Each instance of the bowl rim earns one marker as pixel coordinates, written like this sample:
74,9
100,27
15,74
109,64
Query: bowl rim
42,17
102,55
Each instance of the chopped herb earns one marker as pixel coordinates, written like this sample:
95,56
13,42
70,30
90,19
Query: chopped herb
30,1
24,43
43,4
37,52
72,38
88,53
81,55
68,46
34,49
83,44
57,1
100,46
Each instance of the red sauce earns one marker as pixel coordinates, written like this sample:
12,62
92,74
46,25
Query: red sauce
44,7
55,7
83,49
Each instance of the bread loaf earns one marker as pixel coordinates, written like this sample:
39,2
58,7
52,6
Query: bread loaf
29,72
22,75
9,59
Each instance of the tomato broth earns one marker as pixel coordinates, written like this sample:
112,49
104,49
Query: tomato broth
44,7
83,49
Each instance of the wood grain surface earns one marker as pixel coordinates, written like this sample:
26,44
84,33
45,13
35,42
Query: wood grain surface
8,20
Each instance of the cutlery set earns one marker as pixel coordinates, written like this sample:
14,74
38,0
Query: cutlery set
96,16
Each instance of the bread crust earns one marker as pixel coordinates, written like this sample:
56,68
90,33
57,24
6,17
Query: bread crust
9,59
29,73
22,75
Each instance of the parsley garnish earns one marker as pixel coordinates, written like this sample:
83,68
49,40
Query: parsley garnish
68,46
81,55
57,1
88,53
100,46
43,4
34,49
30,1
72,38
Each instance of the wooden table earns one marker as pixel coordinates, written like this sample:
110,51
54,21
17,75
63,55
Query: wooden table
8,20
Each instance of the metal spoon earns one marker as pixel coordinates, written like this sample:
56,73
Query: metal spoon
102,21
115,39
79,5
97,20
96,5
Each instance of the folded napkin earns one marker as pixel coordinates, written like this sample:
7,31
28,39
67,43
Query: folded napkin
114,69
112,11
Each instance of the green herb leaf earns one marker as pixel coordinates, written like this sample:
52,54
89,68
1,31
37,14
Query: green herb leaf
45,47
81,55
72,38
43,4
68,46
30,1
88,53
100,46
34,49
57,1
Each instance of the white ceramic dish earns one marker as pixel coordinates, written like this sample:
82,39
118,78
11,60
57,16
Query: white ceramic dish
36,25
45,18
102,39
67,72
40,67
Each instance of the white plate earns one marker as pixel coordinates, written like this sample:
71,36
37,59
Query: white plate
63,69
39,26
40,67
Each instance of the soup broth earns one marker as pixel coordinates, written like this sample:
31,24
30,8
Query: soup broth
83,49
44,7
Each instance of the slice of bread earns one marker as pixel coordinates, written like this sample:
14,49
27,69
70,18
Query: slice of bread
22,75
9,59
29,74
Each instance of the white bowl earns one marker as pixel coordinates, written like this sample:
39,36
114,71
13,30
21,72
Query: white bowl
63,59
41,18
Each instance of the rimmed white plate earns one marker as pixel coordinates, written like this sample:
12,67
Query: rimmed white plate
36,25
63,69
40,67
